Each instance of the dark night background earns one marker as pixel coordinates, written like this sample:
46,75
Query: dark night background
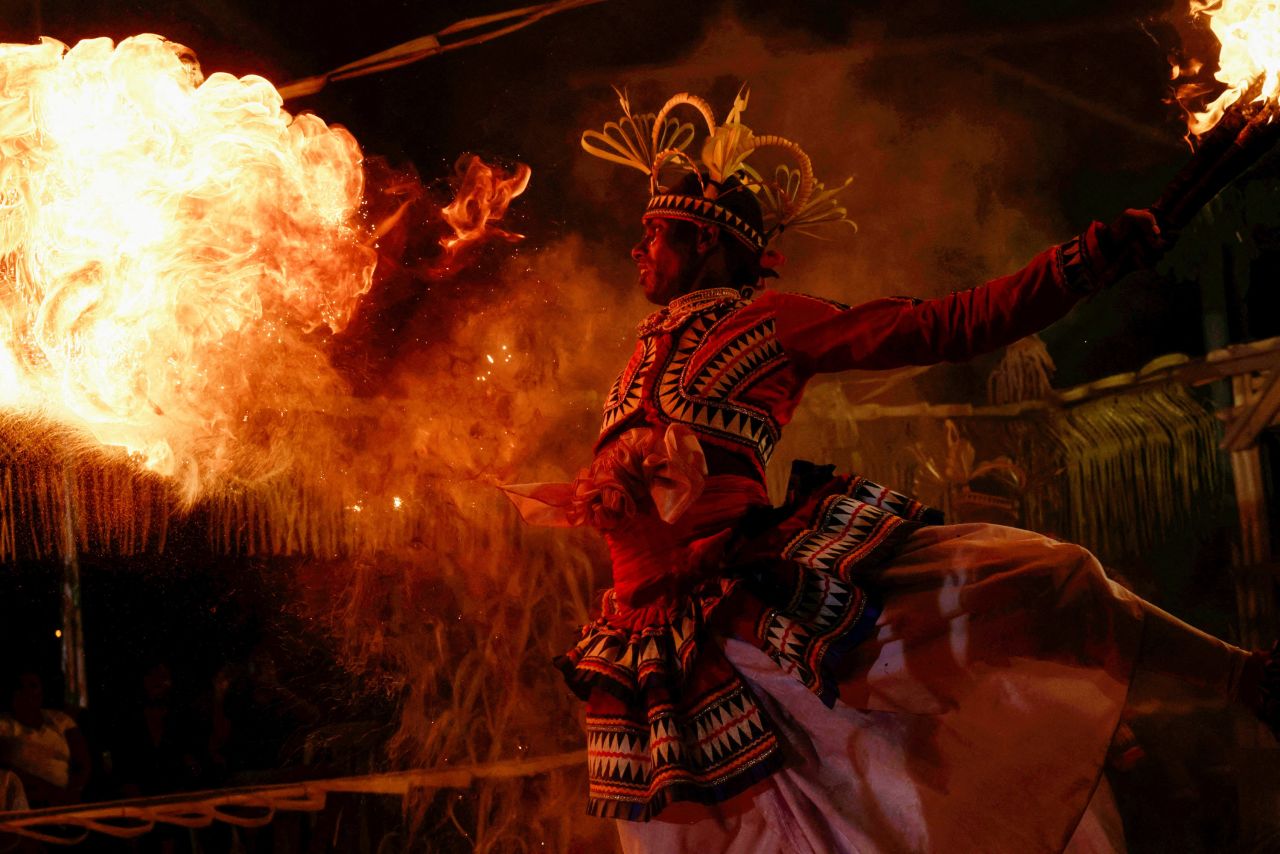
977,133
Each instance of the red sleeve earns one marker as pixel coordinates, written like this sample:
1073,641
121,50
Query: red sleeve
821,336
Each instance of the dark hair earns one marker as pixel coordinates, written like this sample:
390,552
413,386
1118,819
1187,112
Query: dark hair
742,262
11,681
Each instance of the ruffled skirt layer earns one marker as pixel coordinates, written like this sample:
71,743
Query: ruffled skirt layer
668,718
975,717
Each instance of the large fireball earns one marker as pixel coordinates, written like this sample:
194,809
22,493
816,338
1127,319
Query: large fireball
167,243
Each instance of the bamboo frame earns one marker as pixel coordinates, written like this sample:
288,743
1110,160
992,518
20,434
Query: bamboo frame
128,819
1220,364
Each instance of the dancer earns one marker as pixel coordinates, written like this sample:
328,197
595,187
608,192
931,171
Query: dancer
843,672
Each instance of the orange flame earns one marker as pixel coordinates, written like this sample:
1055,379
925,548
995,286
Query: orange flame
166,241
483,195
1249,32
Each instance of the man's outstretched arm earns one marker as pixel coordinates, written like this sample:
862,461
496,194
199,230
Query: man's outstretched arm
898,331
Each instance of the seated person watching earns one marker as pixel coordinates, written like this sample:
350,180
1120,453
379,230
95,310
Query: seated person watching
43,747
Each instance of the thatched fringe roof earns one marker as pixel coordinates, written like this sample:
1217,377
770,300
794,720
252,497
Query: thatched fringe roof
58,494
61,493
1114,473
287,516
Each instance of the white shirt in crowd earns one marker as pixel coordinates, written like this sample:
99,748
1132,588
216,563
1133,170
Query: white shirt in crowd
41,752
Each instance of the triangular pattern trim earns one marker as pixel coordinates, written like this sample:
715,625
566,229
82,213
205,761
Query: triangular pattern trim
626,394
637,763
710,400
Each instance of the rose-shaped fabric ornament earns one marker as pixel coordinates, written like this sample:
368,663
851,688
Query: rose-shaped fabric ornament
647,464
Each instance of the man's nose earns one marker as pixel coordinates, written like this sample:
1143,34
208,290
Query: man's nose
637,251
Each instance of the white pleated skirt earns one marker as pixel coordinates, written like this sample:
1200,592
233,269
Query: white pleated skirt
977,718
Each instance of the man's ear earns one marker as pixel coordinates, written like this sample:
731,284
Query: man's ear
708,238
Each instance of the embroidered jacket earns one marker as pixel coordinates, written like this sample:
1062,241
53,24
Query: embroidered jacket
734,371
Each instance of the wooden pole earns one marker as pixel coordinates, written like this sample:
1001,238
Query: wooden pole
75,684
1254,601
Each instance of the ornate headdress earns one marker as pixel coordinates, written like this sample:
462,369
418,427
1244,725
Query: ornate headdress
701,188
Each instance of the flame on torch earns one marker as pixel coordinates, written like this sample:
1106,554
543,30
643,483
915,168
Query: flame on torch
1238,127
1249,60
166,242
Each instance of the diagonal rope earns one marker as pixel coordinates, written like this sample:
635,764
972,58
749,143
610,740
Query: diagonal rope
471,31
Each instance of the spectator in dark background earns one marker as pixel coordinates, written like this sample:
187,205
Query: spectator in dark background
216,722
42,746
267,718
156,751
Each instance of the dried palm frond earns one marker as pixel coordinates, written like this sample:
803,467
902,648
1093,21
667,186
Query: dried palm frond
636,140
1023,373
726,150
